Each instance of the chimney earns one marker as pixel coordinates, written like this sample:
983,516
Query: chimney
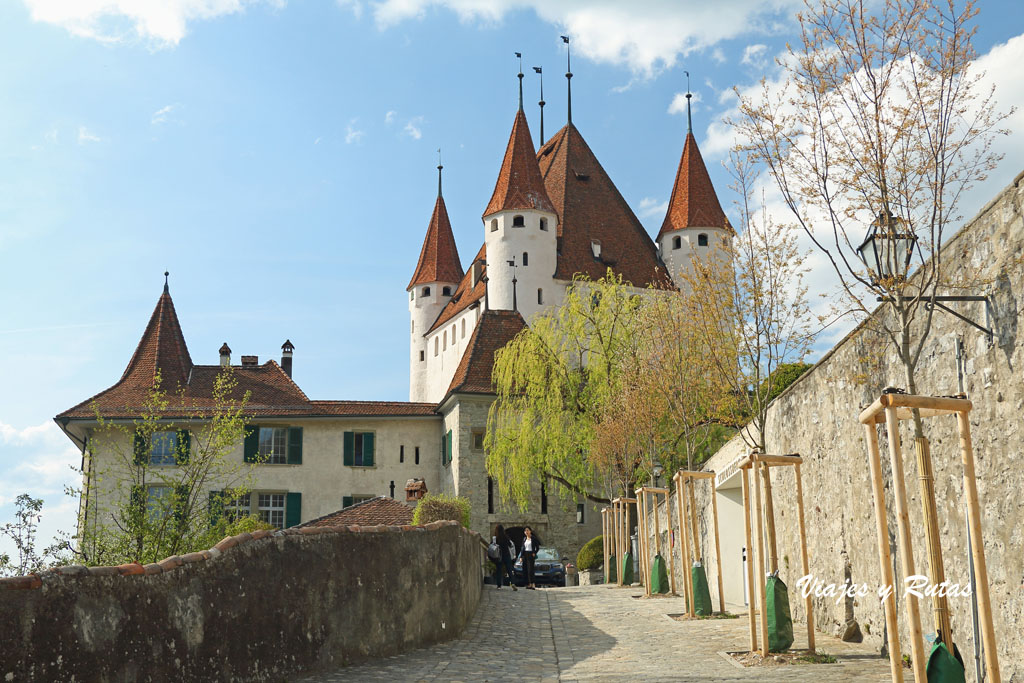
250,361
286,357
225,355
414,490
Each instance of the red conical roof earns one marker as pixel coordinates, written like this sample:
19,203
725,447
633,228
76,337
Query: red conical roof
162,348
694,203
439,257
519,183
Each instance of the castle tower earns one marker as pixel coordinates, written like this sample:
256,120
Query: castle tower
695,225
433,283
520,227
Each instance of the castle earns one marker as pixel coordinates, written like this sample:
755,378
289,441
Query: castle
554,214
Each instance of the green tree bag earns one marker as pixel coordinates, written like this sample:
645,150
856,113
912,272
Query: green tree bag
943,667
610,570
780,623
659,577
627,569
701,594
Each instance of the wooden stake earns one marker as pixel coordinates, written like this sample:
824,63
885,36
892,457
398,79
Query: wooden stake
988,633
684,565
933,543
628,539
687,543
763,598
751,594
808,604
769,513
884,560
906,548
671,554
718,548
696,533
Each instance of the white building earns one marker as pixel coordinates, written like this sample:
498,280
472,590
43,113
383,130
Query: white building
554,213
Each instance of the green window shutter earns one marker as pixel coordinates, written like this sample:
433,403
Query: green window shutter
293,509
448,446
346,501
350,447
444,437
295,445
139,450
368,449
180,503
184,446
216,507
252,443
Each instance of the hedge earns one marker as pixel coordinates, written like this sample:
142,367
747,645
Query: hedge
591,555
438,507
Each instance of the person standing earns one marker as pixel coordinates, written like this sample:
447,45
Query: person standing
529,554
503,565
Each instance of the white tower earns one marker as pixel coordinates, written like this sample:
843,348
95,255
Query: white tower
695,225
433,283
520,228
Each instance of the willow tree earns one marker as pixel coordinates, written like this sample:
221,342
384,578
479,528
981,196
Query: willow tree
554,382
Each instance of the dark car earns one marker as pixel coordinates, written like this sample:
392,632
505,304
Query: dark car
548,569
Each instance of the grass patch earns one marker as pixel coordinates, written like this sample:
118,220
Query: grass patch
817,658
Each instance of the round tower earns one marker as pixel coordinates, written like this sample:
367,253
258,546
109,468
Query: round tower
437,276
520,229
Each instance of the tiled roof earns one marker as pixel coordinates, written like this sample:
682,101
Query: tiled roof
379,510
519,183
439,257
693,203
465,294
372,408
162,345
495,329
589,209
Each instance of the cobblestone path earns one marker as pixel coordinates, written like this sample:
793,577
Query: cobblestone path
600,633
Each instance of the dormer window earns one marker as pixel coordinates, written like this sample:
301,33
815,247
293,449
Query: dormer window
494,225
595,247
544,224
426,291
518,222
677,242
447,291
702,240
526,259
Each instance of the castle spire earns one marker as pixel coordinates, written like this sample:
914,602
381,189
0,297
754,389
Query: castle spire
568,76
540,71
439,167
439,257
689,119
520,76
519,184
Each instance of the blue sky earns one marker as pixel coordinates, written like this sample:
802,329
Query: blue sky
278,159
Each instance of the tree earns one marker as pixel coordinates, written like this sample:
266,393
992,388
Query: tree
147,483
554,382
22,532
750,309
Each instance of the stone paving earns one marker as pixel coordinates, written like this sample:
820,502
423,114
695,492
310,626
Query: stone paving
600,633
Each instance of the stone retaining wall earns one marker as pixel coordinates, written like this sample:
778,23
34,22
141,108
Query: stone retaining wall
255,607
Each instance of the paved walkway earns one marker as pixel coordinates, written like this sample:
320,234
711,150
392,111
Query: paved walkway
600,633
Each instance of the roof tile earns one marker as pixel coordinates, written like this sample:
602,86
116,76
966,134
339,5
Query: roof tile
379,510
495,330
439,257
693,203
519,184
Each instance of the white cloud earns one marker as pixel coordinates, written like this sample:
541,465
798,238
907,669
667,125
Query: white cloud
355,5
413,128
317,141
51,136
162,23
353,134
85,135
163,115
652,208
754,55
389,118
678,105
718,55
646,36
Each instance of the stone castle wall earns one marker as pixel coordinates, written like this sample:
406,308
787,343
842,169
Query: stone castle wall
256,607
817,418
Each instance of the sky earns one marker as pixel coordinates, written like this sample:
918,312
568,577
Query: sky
278,159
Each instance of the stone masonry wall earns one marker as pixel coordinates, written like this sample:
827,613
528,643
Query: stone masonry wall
817,417
256,607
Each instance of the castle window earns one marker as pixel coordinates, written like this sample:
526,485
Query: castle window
677,242
540,296
412,327
518,222
453,334
447,291
463,328
543,499
702,240
490,496
358,449
595,247
478,441
437,345
417,455
401,458
422,356
526,259
412,295
544,224
580,507
444,340
426,291
494,225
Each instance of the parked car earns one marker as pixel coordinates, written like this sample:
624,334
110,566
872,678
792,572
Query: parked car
549,568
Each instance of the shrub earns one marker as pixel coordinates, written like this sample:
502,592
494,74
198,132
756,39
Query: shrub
782,377
437,507
591,555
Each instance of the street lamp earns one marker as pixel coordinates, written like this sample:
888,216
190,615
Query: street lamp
657,473
887,249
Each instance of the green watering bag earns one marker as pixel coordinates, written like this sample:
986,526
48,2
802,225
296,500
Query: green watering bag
627,569
610,570
701,594
943,667
659,576
780,623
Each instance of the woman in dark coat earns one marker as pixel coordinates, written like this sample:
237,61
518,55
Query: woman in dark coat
503,565
529,554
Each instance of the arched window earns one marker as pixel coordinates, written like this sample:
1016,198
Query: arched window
544,224
494,225
426,291
447,291
518,222
437,344
412,327
453,334
702,240
526,259
463,328
540,296
444,340
677,242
